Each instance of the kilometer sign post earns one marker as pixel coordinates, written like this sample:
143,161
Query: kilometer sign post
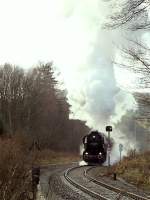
120,150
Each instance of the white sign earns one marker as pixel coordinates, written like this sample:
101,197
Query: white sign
120,147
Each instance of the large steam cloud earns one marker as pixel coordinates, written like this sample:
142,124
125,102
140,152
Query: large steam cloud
95,96
93,84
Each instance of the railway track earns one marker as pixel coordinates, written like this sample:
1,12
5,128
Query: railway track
79,186
95,188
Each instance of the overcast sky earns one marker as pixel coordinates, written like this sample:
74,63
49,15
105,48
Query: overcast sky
43,30
26,34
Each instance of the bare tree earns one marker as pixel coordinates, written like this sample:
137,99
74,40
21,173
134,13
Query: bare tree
133,16
10,95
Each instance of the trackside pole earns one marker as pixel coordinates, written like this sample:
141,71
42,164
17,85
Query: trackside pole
109,149
120,150
108,129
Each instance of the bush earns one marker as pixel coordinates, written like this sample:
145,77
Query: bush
15,168
135,168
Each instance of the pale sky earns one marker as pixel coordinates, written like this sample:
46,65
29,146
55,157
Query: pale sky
33,30
39,30
26,31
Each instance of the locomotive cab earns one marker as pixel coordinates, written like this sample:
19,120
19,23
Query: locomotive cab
94,148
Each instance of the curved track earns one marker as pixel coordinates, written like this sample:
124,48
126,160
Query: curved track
115,189
79,186
105,191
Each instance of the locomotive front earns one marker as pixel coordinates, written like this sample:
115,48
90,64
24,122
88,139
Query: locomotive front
95,150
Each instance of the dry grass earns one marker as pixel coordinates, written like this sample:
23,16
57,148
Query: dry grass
50,157
15,166
14,169
135,168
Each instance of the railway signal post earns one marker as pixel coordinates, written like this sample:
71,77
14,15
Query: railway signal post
109,129
120,150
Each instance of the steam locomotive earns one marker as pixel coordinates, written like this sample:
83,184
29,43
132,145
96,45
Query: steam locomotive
95,148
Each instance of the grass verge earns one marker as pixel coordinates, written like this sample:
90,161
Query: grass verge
47,156
135,169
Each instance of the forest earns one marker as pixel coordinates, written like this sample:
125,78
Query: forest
34,126
32,104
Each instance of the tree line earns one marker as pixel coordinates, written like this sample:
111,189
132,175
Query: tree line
32,104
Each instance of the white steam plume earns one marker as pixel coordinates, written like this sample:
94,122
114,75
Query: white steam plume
92,86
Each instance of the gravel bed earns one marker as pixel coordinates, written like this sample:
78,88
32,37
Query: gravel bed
67,191
97,173
53,185
78,176
45,189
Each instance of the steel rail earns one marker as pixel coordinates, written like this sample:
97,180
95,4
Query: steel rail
81,187
112,188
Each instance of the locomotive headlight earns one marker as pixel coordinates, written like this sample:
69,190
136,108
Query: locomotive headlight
99,155
86,153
